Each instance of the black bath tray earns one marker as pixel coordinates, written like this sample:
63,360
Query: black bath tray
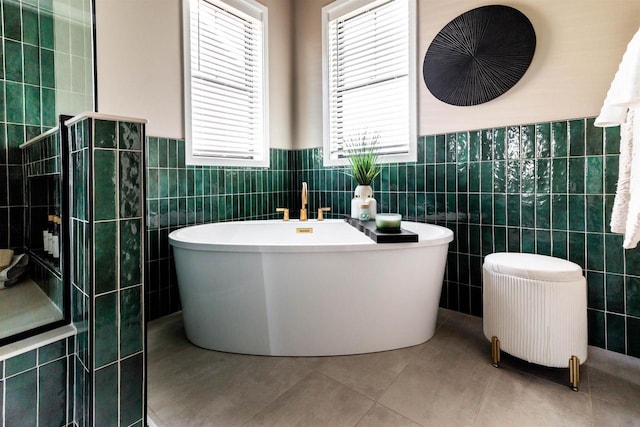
378,236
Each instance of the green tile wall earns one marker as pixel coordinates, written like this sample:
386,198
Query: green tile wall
544,188
107,270
180,195
36,385
27,102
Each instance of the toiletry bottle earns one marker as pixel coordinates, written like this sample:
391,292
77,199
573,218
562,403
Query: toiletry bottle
364,212
355,206
45,237
373,207
55,240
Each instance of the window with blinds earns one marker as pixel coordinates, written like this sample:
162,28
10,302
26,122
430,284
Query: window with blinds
369,78
225,83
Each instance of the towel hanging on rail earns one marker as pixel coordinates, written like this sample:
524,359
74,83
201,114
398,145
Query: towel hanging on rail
622,108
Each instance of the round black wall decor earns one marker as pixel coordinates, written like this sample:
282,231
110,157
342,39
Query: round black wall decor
479,55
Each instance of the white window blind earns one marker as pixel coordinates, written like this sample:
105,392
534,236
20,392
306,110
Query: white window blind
369,79
226,110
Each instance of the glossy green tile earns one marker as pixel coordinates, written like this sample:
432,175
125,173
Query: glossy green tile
612,140
52,351
595,290
106,395
527,142
32,105
452,147
632,261
486,177
20,363
513,210
559,211
21,399
163,152
595,251
528,209
594,175
13,61
47,68
596,328
474,146
52,384
513,177
559,244
105,134
499,143
577,138
543,139
106,329
131,327
513,239
46,30
105,184
614,253
500,209
615,293
30,25
543,242
11,16
462,154
543,211
48,97
595,141
130,252
559,175
595,213
130,184
577,247
576,175
474,177
105,247
543,176
129,136
632,286
441,148
513,142
499,177
31,65
486,144
576,213
611,169
15,108
486,208
528,240
616,333
527,176
430,149
633,332
131,390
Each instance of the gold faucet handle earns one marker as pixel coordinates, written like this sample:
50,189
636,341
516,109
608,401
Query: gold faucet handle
320,211
286,213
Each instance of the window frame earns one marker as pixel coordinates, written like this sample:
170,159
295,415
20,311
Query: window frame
342,8
255,10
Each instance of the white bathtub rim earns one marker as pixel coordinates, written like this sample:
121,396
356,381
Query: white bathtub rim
441,236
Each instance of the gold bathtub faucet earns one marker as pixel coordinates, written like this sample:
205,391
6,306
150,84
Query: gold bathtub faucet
286,213
303,210
321,211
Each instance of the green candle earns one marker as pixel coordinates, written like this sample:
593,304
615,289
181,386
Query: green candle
388,221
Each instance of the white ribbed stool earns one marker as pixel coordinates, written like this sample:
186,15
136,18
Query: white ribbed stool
535,308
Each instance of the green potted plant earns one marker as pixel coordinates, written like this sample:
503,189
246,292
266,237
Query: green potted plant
364,168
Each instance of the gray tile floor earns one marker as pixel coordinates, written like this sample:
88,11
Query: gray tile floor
448,381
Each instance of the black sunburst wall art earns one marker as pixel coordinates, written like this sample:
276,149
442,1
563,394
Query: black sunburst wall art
479,55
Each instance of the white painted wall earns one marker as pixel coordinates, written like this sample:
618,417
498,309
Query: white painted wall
579,46
139,65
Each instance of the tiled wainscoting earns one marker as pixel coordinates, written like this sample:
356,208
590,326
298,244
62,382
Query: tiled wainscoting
179,195
545,188
36,386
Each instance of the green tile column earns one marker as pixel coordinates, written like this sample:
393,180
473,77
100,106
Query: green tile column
108,246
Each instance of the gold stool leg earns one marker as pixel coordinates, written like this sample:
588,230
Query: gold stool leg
574,372
495,351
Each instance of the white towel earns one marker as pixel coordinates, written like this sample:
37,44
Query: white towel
622,108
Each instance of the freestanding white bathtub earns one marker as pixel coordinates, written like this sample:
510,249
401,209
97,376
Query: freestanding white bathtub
265,288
